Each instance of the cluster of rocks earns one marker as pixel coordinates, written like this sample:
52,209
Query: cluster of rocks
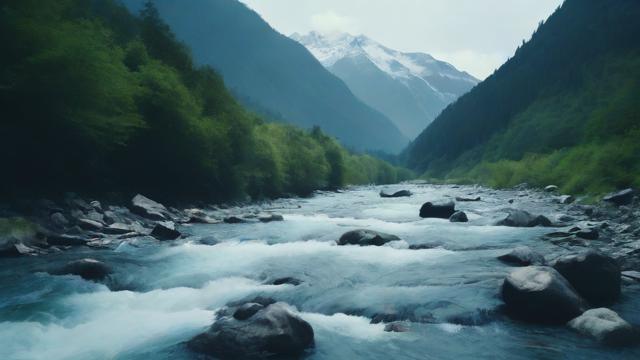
564,291
74,221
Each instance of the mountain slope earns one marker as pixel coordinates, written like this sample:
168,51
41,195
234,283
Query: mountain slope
274,74
564,109
409,88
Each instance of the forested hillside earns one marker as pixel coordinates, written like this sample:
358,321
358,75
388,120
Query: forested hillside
565,109
274,75
96,99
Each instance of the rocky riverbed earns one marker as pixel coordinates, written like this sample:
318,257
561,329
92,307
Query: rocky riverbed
406,271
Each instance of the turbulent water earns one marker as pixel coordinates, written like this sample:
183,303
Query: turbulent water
162,294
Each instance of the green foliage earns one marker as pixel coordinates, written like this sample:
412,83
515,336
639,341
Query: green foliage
96,99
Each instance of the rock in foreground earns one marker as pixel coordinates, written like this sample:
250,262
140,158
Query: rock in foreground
595,276
365,237
523,256
165,230
540,294
88,269
257,332
438,211
458,217
606,326
521,218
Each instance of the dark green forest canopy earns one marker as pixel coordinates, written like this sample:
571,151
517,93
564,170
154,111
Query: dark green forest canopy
96,99
565,109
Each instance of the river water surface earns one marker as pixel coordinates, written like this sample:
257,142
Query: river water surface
162,294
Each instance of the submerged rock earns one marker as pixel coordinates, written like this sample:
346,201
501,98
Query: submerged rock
261,332
365,237
464,199
287,280
595,276
439,211
540,294
148,208
267,218
523,256
624,197
606,326
234,220
399,327
521,218
397,194
459,216
588,234
88,269
165,230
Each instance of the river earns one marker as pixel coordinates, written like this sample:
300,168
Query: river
162,294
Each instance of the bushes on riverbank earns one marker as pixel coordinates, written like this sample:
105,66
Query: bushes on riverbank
95,99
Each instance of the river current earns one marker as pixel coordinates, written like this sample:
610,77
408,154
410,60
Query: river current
162,294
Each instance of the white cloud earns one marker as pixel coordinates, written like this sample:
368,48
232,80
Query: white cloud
476,63
332,22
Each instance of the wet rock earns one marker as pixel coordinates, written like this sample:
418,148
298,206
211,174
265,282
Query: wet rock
624,197
540,294
458,217
397,194
439,211
165,230
88,269
425,246
588,234
287,280
74,201
17,250
632,275
595,276
521,218
148,208
365,237
59,220
118,229
267,218
551,188
398,327
523,256
271,331
234,220
565,199
606,326
558,234
209,240
66,240
465,199
95,216
89,224
245,311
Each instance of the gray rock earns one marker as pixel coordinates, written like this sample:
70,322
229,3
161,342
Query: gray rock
397,194
234,220
565,199
118,229
633,275
365,237
66,240
245,311
148,208
271,331
521,218
88,269
540,294
95,216
89,224
465,199
165,230
606,326
399,327
551,188
270,218
59,220
523,256
588,234
624,197
439,211
287,280
595,276
96,205
459,217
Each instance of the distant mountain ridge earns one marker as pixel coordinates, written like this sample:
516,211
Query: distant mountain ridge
273,74
409,88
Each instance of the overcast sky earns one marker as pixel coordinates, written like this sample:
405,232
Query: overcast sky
474,35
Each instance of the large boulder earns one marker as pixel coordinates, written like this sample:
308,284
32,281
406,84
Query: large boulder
439,211
540,294
165,230
606,326
523,256
458,217
397,194
521,218
88,269
148,208
594,275
365,237
255,331
624,197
